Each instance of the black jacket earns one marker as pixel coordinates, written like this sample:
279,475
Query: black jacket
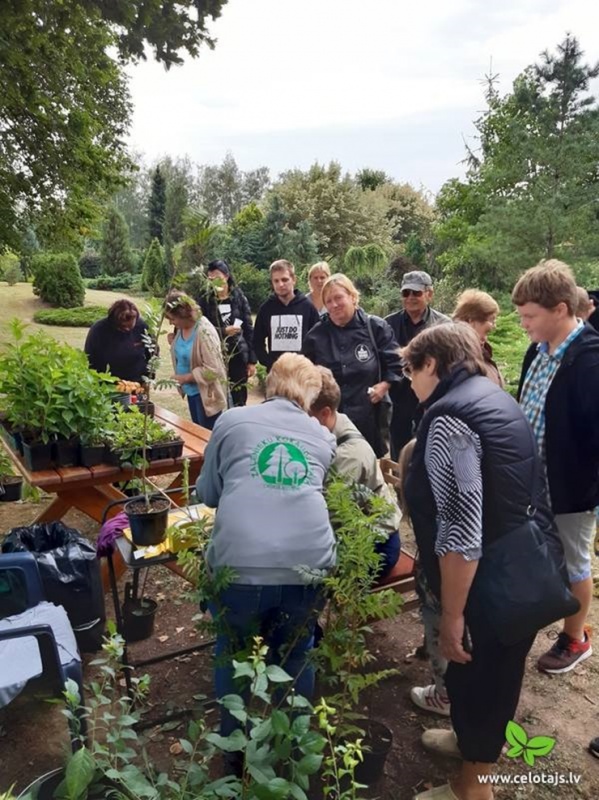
512,474
405,402
122,352
290,324
242,344
348,353
572,425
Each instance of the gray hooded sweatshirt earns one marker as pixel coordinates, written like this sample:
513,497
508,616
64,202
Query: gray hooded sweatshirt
264,470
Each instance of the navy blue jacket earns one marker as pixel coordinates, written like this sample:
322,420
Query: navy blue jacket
512,475
572,425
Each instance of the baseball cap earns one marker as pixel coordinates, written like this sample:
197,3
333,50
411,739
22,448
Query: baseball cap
416,280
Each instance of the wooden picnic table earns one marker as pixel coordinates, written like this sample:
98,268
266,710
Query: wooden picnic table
90,489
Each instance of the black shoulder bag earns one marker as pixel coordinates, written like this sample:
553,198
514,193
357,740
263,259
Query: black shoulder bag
521,584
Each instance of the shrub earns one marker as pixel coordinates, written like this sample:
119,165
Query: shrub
58,280
90,264
116,251
83,317
8,261
155,274
254,282
112,283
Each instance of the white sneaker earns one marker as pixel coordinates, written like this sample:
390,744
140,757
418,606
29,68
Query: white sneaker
429,699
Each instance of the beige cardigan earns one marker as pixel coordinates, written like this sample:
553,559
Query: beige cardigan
207,367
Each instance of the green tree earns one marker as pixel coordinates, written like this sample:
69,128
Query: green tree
371,178
64,104
334,205
534,182
224,189
157,206
58,280
153,269
115,253
29,247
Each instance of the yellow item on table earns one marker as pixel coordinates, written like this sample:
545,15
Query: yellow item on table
178,518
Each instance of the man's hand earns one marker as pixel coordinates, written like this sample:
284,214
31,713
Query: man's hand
232,330
251,370
378,391
451,636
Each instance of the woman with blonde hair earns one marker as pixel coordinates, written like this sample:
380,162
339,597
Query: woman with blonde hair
197,359
264,471
317,276
361,352
479,310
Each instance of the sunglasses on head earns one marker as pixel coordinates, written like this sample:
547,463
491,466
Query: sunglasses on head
414,292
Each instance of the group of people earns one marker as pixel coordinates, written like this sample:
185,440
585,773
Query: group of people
479,468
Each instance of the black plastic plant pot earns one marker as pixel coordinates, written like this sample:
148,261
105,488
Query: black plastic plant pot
138,619
146,407
176,448
12,437
10,488
91,455
148,527
37,456
378,740
66,452
121,398
43,788
161,451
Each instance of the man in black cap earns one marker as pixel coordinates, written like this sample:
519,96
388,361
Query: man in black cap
417,294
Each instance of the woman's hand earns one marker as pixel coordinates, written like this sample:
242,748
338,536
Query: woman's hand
185,377
451,639
251,370
232,330
378,391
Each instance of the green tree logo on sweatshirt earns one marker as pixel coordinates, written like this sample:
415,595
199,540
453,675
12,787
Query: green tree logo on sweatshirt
282,464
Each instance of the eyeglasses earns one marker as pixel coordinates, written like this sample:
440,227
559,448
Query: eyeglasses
414,292
407,372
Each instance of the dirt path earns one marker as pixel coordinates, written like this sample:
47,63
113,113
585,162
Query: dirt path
33,734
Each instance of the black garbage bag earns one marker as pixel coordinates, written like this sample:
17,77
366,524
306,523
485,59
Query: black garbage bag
70,574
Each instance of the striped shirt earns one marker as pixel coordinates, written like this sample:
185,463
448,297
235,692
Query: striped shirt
537,382
452,458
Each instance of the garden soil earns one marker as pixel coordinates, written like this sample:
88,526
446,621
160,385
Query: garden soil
33,734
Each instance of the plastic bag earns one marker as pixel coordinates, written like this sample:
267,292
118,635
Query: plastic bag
70,575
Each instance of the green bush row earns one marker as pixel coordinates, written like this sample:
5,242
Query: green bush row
112,283
83,317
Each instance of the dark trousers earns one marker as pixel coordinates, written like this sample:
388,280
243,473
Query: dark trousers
484,694
238,379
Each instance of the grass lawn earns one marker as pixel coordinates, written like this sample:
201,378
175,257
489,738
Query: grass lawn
19,301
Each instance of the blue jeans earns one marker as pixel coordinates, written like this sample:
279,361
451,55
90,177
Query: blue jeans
389,551
197,413
284,616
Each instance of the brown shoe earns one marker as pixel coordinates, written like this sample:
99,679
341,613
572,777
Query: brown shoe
441,741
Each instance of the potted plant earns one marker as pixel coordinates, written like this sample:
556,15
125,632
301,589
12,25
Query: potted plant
11,485
343,657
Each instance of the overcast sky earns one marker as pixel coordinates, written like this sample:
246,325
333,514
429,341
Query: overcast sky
389,84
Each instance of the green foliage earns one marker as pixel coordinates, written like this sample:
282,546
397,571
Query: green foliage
509,342
116,257
113,283
254,282
157,207
531,191
338,211
6,467
57,280
132,428
28,247
10,270
83,317
90,264
153,266
49,390
198,238
369,179
63,136
224,189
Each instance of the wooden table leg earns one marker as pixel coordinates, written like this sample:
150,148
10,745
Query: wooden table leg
56,510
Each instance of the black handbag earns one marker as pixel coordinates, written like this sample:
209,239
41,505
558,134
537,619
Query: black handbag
521,584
